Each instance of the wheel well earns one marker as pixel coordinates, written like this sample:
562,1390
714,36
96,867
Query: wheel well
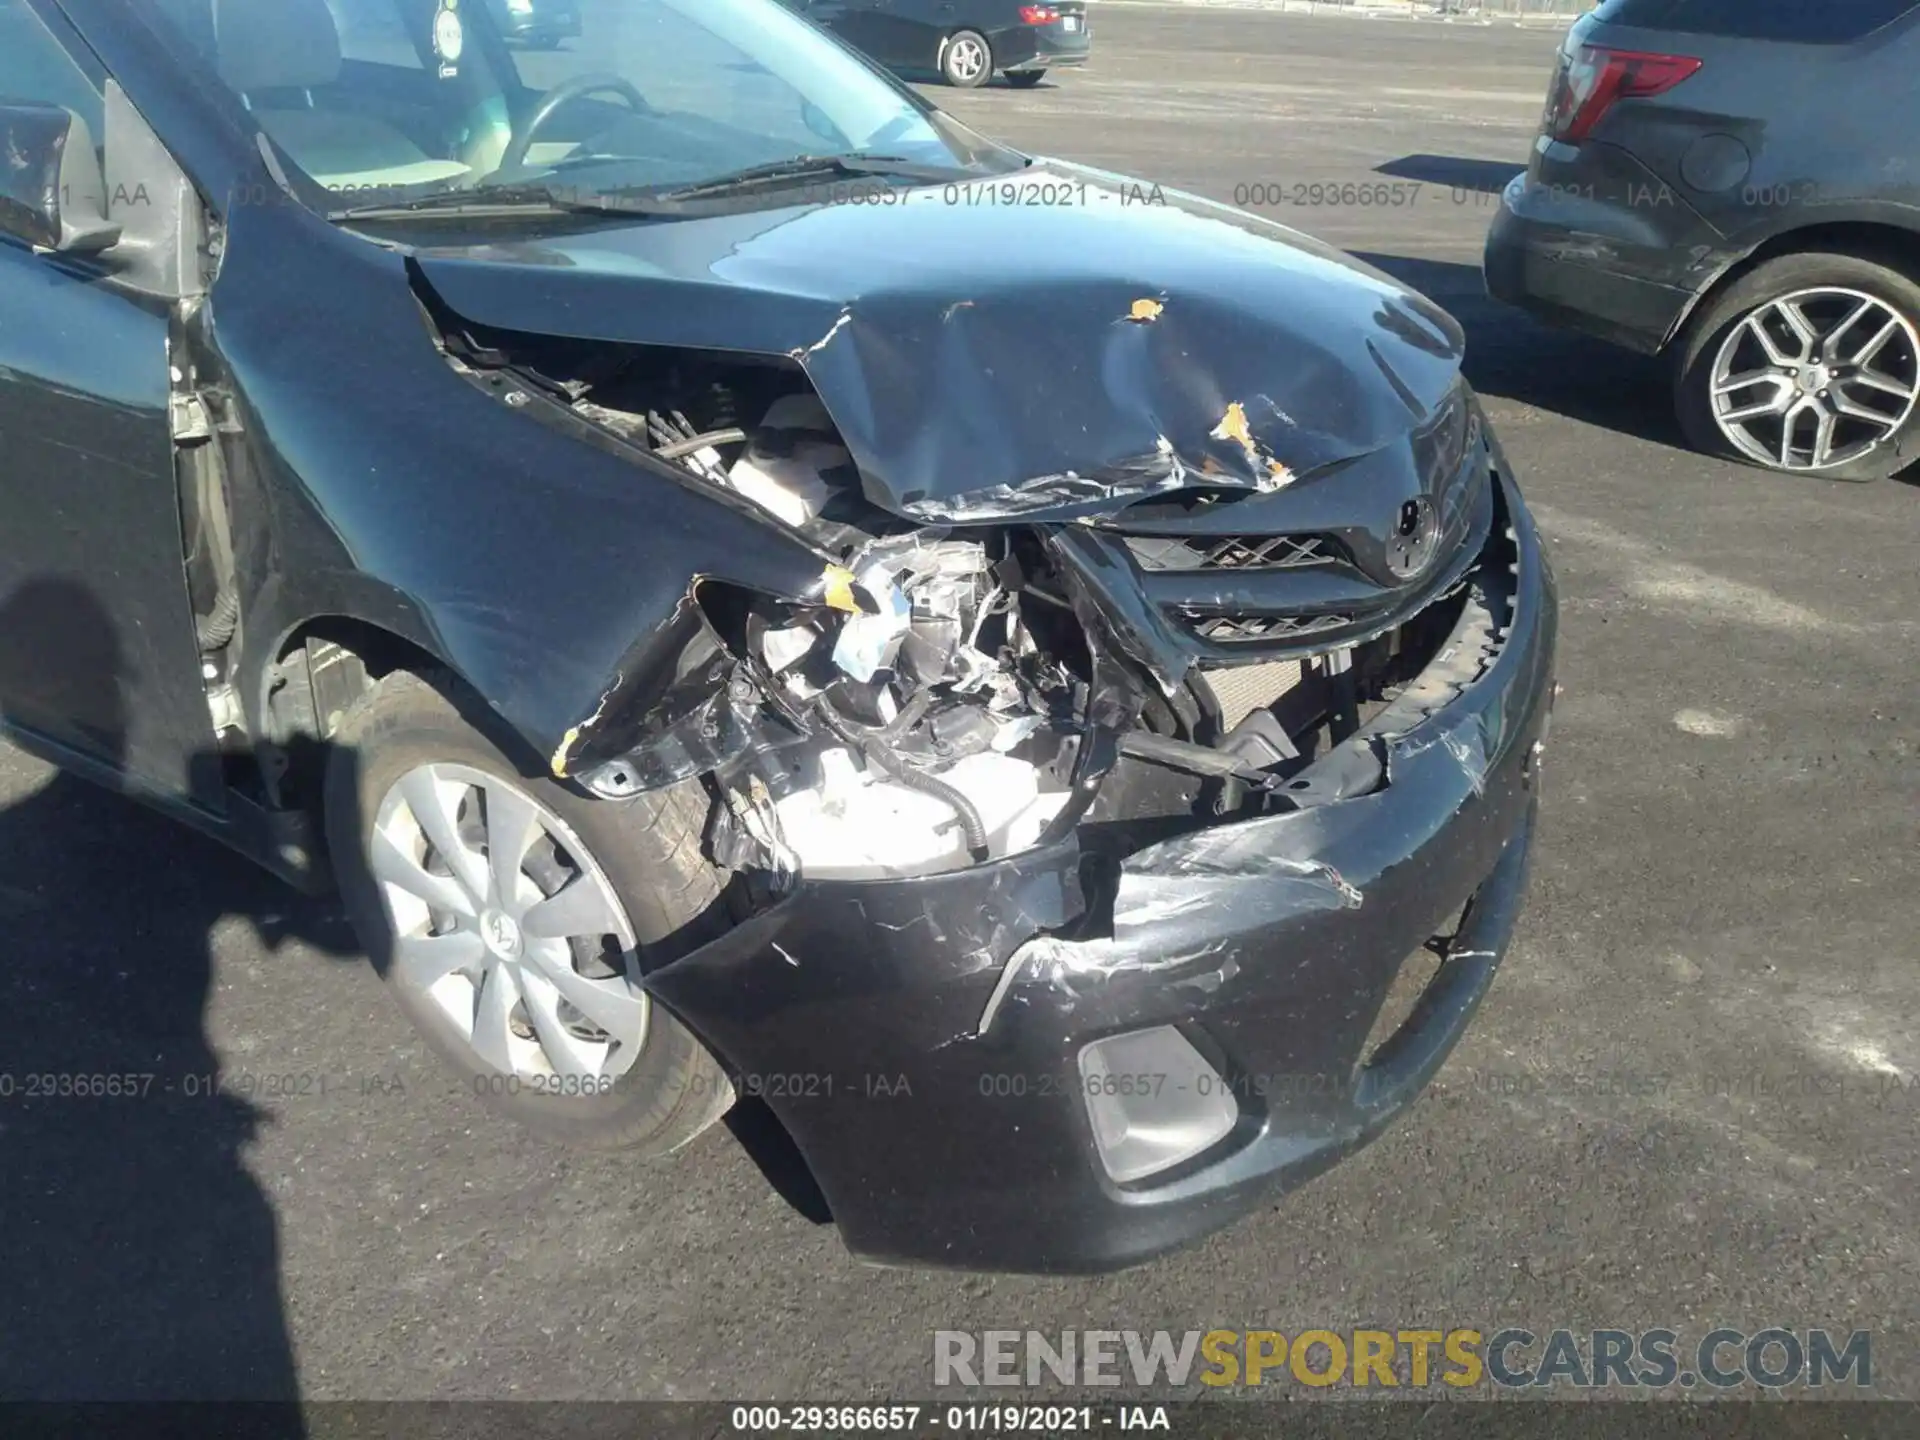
1889,245
322,669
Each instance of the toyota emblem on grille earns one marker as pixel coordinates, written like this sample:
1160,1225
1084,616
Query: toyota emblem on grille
1413,538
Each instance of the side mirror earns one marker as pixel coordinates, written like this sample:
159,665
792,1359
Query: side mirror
52,193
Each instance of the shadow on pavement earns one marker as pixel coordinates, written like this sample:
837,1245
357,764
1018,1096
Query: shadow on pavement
142,1256
1513,356
758,1131
1487,177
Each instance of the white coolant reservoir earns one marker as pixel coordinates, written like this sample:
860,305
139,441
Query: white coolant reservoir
861,824
787,457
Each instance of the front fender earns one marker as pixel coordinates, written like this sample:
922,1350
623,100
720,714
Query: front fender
371,480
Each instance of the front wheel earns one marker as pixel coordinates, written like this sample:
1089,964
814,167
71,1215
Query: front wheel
967,60
510,918
1025,79
1810,365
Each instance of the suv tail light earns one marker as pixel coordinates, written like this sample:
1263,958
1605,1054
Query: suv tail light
1591,78
1038,14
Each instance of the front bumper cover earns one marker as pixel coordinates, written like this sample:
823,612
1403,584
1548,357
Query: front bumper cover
919,1038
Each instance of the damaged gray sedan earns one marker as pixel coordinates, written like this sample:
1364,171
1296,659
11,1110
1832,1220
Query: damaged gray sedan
756,592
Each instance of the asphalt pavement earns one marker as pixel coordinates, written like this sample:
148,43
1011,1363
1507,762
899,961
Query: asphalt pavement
1691,1099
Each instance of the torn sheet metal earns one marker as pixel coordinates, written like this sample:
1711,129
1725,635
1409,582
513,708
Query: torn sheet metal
1175,900
1143,343
576,734
717,732
1118,616
867,643
1178,902
679,706
1244,936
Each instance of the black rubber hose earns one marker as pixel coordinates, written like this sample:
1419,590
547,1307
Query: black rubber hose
216,627
1099,752
679,448
908,717
970,821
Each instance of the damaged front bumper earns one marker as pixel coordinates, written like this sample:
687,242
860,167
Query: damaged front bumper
925,1041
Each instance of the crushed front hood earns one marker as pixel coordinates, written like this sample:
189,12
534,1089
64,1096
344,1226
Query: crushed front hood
1056,343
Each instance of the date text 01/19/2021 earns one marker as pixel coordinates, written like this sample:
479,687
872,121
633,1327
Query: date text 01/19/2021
958,1419
794,1085
210,1085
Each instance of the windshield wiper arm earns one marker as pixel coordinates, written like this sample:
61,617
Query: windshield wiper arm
810,167
554,198
507,200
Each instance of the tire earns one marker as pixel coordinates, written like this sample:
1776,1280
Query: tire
647,851
966,60
1849,280
1025,79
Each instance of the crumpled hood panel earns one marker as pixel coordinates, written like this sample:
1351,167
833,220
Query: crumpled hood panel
987,359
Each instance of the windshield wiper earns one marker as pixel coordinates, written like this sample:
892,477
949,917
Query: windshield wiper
514,200
800,168
553,198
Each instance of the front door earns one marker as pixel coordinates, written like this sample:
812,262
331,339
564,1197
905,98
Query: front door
97,647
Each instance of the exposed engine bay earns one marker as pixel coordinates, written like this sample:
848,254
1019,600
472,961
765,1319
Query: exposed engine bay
947,702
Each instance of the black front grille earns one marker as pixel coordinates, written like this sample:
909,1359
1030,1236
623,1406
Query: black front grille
1235,595
1239,629
1233,552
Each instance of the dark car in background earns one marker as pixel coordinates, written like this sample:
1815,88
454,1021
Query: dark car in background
1022,693
540,24
966,41
1730,184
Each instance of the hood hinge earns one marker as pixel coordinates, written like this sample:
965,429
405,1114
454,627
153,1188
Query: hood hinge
189,419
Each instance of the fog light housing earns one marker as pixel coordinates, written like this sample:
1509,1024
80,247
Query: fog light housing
1154,1101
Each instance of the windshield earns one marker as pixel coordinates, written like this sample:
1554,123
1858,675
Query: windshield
388,101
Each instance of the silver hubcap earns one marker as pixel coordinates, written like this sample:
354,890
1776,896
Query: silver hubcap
965,57
1816,379
507,926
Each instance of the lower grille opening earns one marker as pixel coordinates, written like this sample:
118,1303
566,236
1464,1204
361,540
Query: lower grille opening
1238,741
1281,715
1318,701
1248,688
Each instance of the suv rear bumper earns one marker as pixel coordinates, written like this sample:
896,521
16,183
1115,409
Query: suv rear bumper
920,1039
1626,273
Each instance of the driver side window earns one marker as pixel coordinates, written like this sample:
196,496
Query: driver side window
35,67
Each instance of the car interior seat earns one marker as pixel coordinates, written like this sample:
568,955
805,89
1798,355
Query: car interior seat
275,53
